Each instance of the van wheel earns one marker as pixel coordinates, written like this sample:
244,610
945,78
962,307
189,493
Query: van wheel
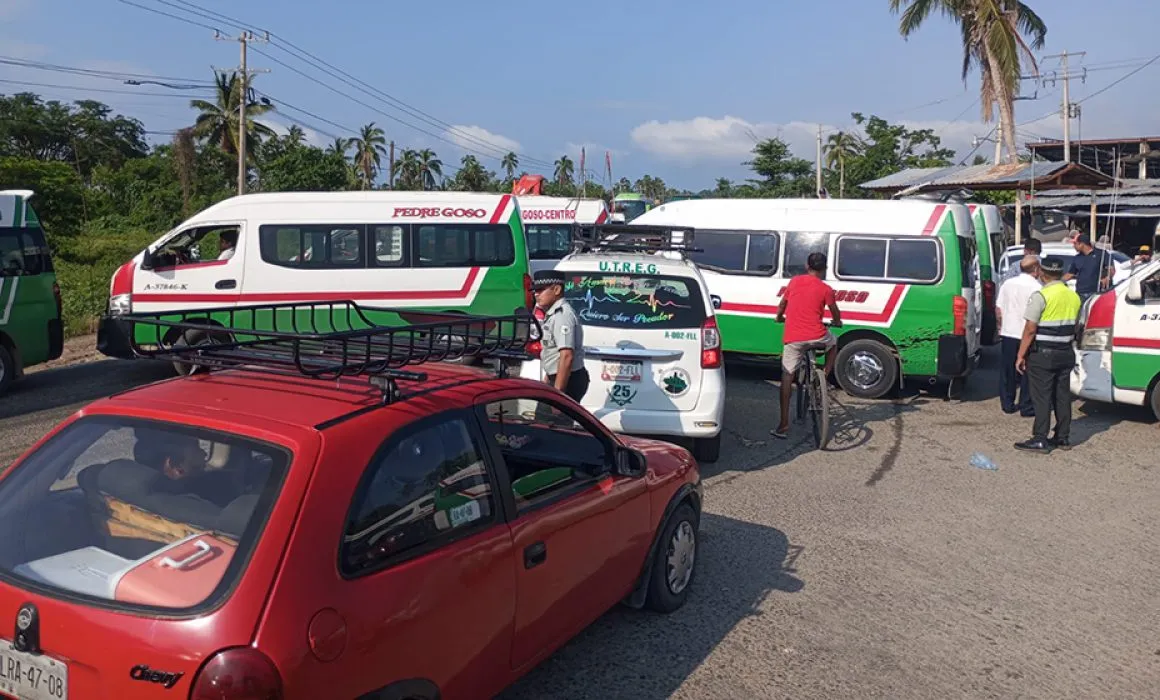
7,369
1155,399
675,565
707,449
866,369
191,338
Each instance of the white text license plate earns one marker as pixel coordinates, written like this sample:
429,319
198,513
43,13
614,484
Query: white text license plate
621,371
31,677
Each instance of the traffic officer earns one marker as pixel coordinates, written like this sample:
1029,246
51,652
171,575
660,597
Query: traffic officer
562,357
1047,356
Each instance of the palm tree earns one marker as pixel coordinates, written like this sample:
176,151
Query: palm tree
724,187
510,163
339,147
369,147
564,170
295,136
218,120
407,170
430,169
840,147
992,39
472,177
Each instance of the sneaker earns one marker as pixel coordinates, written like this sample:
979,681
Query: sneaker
1060,443
1034,445
1028,413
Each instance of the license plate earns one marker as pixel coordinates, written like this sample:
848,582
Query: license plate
28,677
622,371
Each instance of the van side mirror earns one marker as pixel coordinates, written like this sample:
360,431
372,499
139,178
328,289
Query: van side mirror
147,260
1135,293
629,462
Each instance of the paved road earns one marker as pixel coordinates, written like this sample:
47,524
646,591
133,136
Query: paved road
887,567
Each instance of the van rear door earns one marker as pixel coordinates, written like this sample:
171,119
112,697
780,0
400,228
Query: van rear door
642,338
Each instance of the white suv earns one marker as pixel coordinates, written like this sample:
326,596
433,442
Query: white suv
651,344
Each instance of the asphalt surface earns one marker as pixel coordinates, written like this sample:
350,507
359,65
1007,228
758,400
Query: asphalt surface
885,567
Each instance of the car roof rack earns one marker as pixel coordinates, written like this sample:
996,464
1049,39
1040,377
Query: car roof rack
635,238
328,340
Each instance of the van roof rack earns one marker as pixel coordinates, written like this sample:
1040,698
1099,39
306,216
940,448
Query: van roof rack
328,340
634,238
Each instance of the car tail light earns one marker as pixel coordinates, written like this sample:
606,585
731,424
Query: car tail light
243,673
529,294
710,344
960,312
534,348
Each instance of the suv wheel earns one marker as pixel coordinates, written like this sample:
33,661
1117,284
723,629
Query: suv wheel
675,564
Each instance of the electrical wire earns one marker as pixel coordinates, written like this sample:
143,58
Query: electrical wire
82,88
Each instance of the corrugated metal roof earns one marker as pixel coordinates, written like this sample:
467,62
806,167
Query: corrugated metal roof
977,176
1121,202
904,178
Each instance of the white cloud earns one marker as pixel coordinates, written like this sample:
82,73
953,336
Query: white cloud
476,139
732,139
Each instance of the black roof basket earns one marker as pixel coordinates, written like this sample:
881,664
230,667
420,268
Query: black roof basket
633,238
327,340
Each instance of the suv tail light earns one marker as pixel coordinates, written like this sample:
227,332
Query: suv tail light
710,344
534,348
960,312
243,673
529,294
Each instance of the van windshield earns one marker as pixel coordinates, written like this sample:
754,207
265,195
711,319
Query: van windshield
137,513
635,300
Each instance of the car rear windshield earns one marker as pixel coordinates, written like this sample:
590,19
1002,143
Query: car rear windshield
135,513
643,301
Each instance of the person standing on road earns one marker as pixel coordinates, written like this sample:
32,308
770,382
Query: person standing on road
802,308
1091,269
562,357
1047,356
1010,307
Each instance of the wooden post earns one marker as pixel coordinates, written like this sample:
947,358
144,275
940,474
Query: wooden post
1018,217
1094,224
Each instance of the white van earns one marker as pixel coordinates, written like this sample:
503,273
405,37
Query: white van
550,225
427,251
1118,357
905,273
651,345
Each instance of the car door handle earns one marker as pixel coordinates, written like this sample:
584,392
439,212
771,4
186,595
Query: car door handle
535,554
226,284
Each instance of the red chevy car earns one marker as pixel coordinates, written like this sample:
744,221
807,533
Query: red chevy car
328,515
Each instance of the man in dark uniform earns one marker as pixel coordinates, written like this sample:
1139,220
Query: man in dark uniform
1047,356
562,357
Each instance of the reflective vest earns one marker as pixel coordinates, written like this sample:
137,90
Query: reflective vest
1057,324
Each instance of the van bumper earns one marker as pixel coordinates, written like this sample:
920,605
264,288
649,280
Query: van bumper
953,358
55,338
112,340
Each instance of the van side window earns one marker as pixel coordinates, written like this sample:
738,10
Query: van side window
968,251
862,257
872,257
737,251
798,246
463,245
915,259
390,246
312,246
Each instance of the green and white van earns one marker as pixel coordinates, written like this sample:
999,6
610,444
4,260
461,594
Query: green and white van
30,326
905,274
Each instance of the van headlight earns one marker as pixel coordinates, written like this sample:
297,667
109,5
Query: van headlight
1096,339
120,304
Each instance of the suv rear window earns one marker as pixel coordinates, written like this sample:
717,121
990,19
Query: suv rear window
137,513
644,301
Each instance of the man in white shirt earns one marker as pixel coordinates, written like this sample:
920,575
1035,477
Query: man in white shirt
1009,308
229,243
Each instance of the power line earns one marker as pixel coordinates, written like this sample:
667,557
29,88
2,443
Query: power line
1120,80
82,88
171,16
94,73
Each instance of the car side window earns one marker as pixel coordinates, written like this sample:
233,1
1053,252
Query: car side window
428,485
546,450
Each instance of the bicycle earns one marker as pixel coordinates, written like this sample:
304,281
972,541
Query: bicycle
813,395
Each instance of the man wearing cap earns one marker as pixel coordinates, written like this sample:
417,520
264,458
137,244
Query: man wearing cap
562,357
1143,255
1091,269
1047,356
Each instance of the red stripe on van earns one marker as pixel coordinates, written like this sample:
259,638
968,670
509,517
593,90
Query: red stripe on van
603,216
461,293
1146,343
875,317
503,203
935,217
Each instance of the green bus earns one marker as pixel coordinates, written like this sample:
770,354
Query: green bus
30,327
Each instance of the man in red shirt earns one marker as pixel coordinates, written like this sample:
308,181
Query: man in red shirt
802,308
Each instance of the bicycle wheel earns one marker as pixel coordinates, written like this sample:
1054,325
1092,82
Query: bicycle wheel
819,408
803,390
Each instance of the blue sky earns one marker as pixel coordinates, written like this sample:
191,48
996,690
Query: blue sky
675,89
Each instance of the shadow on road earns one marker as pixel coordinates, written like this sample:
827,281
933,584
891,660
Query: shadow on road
77,384
637,654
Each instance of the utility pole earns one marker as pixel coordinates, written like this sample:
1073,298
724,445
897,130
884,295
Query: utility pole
391,172
1067,106
818,165
244,39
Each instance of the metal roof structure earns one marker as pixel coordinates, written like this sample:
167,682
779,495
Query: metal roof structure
1105,154
1131,195
1005,177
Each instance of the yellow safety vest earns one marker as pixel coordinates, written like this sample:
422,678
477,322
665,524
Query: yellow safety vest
1057,324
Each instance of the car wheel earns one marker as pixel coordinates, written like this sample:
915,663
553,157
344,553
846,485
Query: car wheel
7,369
707,449
675,564
866,369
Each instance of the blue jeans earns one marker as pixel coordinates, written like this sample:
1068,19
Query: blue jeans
1010,380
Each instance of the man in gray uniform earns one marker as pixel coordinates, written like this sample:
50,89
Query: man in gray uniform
562,356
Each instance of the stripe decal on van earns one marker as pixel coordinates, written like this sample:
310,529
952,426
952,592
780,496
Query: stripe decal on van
504,201
11,298
935,217
462,293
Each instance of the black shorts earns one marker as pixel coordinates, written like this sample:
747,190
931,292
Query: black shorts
577,384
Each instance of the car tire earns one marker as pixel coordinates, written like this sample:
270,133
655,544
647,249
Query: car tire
866,369
676,549
7,369
707,449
